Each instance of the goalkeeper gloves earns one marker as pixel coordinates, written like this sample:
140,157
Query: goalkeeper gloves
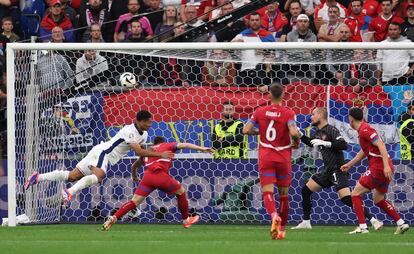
319,142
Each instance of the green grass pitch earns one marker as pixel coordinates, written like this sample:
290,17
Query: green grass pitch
166,239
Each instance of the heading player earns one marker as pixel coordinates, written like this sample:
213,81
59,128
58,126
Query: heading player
277,129
376,178
156,176
92,169
330,143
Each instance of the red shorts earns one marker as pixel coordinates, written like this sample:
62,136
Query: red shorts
375,180
271,172
157,180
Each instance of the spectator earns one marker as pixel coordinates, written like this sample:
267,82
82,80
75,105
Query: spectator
136,33
406,121
55,71
330,32
344,34
371,8
359,74
232,28
7,26
116,10
251,59
295,9
165,29
307,5
10,8
56,17
95,13
218,11
378,28
408,25
201,7
96,34
57,35
302,33
217,71
191,17
123,25
155,13
90,64
322,13
357,22
395,64
70,12
273,20
227,138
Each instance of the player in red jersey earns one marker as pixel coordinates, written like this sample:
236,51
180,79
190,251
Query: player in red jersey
156,176
277,127
376,178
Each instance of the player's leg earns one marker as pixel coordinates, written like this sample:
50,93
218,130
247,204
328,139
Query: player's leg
310,187
56,175
284,179
388,208
341,182
96,176
358,206
182,203
124,209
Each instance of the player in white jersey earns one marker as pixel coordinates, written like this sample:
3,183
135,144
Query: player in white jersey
92,169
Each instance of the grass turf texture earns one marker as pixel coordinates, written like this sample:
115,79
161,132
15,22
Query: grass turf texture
169,239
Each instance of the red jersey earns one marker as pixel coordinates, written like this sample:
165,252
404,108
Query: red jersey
158,163
371,8
367,136
379,26
274,134
354,27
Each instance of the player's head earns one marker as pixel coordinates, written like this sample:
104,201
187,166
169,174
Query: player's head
144,120
276,92
319,115
356,115
158,140
228,110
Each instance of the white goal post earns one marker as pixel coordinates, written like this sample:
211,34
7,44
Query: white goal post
314,74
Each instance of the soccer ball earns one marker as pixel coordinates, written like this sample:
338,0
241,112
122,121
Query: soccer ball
128,80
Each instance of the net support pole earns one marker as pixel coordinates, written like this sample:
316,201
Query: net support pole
11,141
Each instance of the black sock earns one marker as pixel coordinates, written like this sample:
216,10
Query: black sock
306,202
347,200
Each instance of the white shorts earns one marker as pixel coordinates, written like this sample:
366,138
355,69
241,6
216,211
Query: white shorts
96,158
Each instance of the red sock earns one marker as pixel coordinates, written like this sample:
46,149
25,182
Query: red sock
269,203
124,209
359,209
283,210
388,209
183,205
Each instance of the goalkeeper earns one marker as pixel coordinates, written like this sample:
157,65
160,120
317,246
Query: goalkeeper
329,142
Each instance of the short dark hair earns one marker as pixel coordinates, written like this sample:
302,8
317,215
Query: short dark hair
356,113
386,1
254,14
158,140
396,24
360,1
6,19
143,115
294,1
276,90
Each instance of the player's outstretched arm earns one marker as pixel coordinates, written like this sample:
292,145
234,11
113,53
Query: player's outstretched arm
305,139
135,166
360,155
147,153
294,134
194,147
249,129
385,156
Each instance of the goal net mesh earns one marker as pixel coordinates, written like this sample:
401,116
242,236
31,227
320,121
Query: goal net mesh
67,101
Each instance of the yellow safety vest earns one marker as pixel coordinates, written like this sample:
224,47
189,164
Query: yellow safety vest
230,152
405,146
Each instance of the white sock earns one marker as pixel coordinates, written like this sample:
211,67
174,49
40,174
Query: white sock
84,182
372,220
363,226
400,222
306,221
57,175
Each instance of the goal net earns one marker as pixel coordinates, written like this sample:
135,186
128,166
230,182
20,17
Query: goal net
66,98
